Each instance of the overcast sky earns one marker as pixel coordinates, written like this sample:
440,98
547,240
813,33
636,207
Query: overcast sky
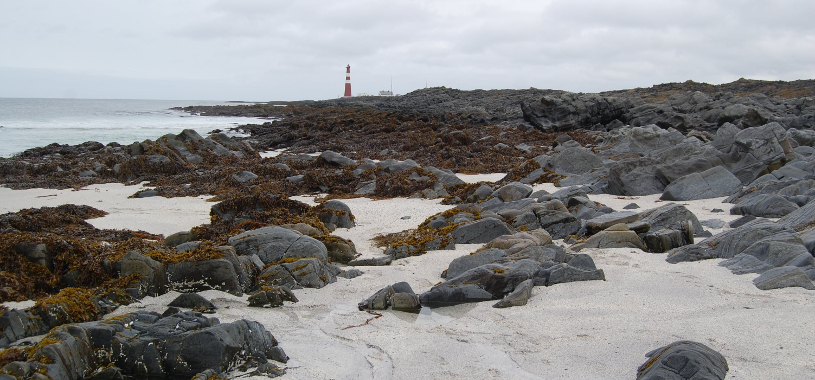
290,50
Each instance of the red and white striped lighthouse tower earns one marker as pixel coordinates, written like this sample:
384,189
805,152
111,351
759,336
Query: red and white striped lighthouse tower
347,80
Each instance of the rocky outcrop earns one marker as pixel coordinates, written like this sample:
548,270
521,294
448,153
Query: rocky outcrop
683,360
148,345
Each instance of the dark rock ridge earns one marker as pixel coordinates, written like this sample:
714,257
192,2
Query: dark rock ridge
148,345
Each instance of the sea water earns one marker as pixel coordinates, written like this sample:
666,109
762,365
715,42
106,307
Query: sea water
29,123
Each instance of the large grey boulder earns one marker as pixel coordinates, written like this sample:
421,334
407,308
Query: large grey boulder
671,215
765,206
575,160
567,111
683,360
633,177
480,231
711,183
758,150
273,244
725,136
642,140
218,274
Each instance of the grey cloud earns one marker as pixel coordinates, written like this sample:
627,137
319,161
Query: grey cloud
289,49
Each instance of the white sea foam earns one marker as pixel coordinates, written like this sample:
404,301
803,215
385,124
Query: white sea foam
29,123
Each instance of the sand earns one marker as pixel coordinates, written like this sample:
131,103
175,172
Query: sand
582,330
157,215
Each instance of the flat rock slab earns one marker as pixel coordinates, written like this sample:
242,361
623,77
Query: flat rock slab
604,221
783,277
683,360
711,183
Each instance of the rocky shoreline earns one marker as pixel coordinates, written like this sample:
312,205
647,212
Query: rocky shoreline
749,141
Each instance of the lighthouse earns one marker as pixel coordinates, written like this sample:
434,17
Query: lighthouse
347,81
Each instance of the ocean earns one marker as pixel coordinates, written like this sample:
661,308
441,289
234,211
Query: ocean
30,123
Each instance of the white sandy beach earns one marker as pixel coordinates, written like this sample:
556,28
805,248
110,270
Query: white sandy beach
582,330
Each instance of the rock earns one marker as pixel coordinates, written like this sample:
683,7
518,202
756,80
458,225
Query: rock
741,221
783,277
336,214
192,301
374,262
153,281
272,296
179,238
642,140
462,264
277,275
727,244
800,219
635,176
379,301
303,228
406,302
665,239
350,273
273,244
520,240
513,191
612,239
366,188
764,205
670,216
340,250
631,206
480,231
758,150
558,224
218,274
713,223
563,273
244,177
312,273
335,158
449,295
711,183
563,195
568,111
36,253
393,166
604,221
683,360
575,160
519,297
445,177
